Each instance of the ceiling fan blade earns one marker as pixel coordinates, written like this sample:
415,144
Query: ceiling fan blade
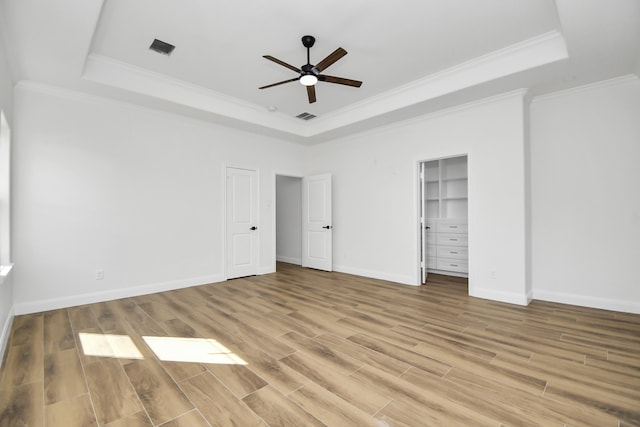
339,80
333,57
311,92
284,64
279,83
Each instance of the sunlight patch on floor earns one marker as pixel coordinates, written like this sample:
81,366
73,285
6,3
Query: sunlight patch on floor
195,350
108,345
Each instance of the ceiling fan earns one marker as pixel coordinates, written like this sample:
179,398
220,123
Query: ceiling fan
310,74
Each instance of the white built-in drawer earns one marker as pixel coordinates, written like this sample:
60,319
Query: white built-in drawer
452,226
432,262
453,265
431,249
453,252
431,231
431,238
449,239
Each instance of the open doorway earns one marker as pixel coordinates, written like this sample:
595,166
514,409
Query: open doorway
444,219
304,232
289,219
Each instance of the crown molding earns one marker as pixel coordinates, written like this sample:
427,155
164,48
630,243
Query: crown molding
534,52
108,71
517,93
616,81
76,94
530,53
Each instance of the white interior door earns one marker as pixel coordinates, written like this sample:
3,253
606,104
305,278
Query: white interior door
317,230
423,224
242,222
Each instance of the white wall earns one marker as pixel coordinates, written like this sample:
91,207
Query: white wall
585,150
6,82
6,283
289,219
375,194
137,193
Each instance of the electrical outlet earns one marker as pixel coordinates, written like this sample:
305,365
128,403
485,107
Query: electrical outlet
99,274
492,274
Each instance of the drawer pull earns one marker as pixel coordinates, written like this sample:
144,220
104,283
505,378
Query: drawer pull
453,226
453,240
453,265
453,252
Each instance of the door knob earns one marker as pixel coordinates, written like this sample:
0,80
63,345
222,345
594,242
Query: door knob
253,228
327,227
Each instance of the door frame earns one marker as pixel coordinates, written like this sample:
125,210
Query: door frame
418,199
223,206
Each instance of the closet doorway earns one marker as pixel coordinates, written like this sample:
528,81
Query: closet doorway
444,217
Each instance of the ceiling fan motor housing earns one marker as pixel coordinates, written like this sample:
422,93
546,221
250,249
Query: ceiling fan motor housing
309,69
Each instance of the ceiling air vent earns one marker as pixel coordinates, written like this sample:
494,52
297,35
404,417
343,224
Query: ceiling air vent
162,47
306,116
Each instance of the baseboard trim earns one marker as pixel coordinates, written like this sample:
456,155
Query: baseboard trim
90,298
508,297
289,260
405,280
6,330
587,301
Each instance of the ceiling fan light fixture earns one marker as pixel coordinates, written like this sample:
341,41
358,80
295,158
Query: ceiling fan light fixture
309,74
308,79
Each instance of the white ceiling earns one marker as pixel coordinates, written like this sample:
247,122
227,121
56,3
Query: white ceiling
414,56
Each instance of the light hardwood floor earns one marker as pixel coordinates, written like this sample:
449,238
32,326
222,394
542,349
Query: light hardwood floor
322,349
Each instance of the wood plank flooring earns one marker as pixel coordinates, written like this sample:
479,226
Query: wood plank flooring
307,348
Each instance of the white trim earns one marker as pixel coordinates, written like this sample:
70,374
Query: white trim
175,111
150,75
111,72
74,95
625,306
500,296
6,330
74,300
521,92
6,286
223,225
380,275
596,85
5,270
534,52
418,201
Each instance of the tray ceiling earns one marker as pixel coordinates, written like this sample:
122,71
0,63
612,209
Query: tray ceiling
414,56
